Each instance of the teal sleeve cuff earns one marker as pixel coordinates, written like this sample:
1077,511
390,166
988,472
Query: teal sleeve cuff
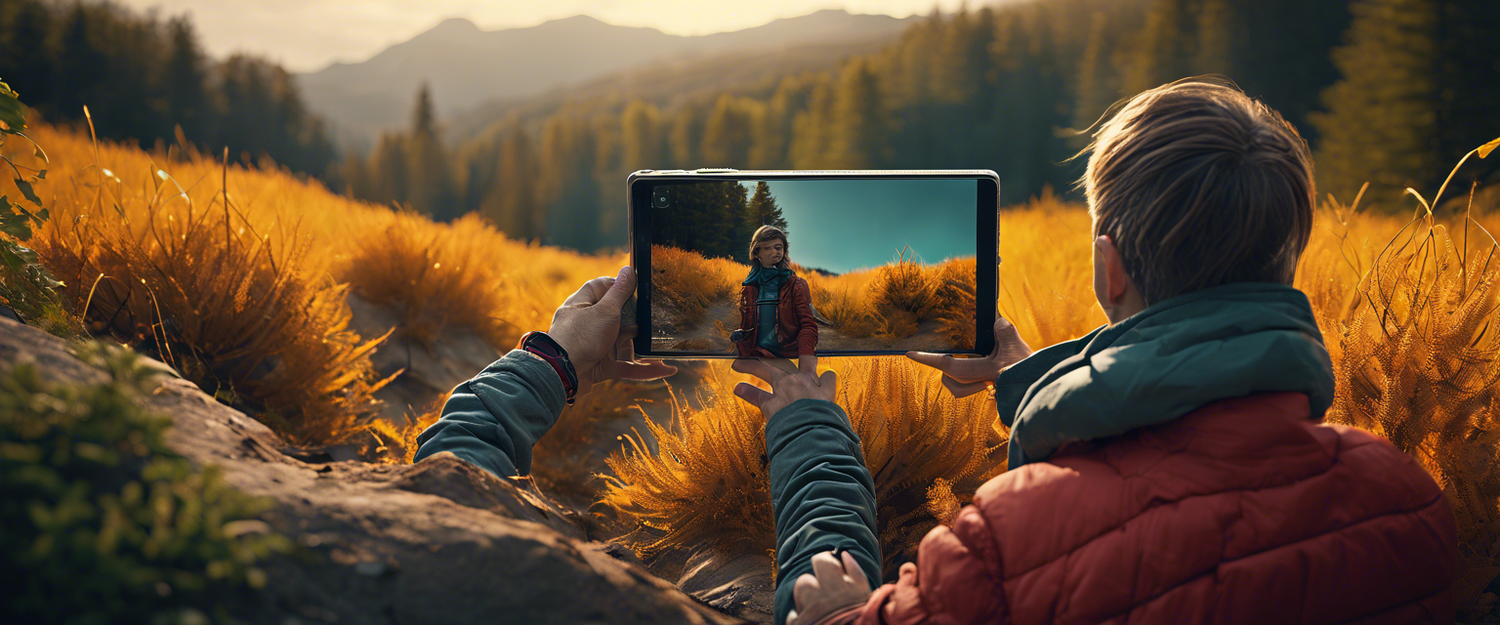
493,419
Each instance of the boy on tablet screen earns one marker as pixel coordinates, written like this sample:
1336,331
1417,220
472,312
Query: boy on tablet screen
776,315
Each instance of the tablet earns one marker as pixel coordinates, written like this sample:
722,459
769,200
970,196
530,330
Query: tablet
837,263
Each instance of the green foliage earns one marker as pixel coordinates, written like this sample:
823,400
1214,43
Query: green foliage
104,522
25,285
1417,92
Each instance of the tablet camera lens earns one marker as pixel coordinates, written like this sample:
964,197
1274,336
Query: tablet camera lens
662,198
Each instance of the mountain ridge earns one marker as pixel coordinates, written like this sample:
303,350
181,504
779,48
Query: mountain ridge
466,66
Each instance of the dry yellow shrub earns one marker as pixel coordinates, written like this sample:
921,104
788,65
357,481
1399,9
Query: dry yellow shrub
253,312
246,313
397,444
432,277
688,284
705,484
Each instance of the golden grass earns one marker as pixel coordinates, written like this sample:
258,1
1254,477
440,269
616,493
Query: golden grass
889,302
686,283
238,276
705,487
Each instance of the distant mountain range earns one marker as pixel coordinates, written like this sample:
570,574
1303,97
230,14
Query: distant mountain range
467,67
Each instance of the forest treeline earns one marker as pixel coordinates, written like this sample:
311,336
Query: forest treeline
1387,91
716,219
142,78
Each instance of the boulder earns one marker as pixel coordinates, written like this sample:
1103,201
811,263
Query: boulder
440,541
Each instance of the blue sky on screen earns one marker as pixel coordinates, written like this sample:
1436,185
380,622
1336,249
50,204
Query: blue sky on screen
843,225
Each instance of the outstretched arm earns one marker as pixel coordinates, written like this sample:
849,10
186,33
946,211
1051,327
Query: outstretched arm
822,496
493,420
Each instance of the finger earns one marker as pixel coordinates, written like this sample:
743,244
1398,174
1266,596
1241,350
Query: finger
589,293
808,364
963,389
961,369
757,368
791,618
782,364
828,569
853,570
614,299
749,393
806,591
829,380
908,573
1006,334
646,370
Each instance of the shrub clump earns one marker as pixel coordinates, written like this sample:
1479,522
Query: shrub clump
705,485
104,523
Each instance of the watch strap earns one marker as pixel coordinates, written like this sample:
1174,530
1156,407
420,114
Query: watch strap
548,349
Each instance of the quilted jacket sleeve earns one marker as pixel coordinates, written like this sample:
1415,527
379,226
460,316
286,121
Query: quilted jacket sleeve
952,581
822,496
493,420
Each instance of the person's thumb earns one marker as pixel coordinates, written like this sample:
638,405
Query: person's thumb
614,299
829,379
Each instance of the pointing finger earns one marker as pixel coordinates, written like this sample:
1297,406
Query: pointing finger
751,366
960,369
748,392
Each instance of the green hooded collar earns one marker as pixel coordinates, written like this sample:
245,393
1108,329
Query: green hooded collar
1164,362
759,275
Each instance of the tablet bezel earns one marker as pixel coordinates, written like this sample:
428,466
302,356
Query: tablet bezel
639,186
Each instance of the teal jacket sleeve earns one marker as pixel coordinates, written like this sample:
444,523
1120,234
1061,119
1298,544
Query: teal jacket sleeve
1011,386
822,496
493,419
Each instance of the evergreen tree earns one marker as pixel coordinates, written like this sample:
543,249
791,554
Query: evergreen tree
761,210
1381,124
687,127
1215,33
642,138
81,67
727,133
430,186
388,176
187,102
811,130
1096,88
1162,51
861,129
511,202
25,50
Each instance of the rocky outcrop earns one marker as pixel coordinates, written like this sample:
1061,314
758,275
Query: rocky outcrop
437,542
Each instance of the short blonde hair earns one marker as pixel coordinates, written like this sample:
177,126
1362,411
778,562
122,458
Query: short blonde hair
766,234
1198,185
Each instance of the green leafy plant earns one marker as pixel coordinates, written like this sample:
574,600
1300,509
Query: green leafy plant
26,287
104,523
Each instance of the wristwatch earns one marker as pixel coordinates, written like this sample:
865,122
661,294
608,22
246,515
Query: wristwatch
549,350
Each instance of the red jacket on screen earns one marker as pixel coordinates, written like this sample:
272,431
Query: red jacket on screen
1242,511
795,325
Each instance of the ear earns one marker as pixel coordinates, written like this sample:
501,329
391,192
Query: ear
1116,282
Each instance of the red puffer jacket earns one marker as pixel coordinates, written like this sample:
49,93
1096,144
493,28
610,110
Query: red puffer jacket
1242,511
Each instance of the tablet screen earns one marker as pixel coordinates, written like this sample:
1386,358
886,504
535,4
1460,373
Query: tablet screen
773,267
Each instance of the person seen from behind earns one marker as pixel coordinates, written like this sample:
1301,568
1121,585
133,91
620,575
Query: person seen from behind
1170,466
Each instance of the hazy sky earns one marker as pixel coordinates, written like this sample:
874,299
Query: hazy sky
306,35
841,225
